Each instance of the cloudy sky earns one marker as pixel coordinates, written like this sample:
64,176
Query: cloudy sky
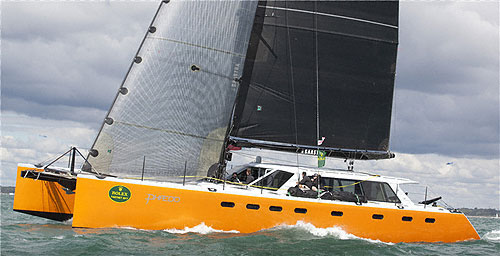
62,63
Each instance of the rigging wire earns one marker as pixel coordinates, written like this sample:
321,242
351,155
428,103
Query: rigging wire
293,86
317,72
317,89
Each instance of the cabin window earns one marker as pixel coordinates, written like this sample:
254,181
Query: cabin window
352,186
274,180
330,184
227,204
377,216
275,208
379,191
253,206
374,191
300,210
242,173
389,193
337,213
407,218
430,220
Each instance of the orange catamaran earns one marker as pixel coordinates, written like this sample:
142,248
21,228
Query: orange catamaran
308,77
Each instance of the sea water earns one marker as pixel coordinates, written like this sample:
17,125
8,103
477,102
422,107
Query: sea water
23,234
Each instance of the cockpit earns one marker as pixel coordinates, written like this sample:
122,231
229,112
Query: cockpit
330,188
263,178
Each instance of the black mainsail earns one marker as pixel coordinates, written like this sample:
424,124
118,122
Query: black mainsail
322,68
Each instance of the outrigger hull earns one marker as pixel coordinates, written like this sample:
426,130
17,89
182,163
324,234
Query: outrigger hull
42,198
102,203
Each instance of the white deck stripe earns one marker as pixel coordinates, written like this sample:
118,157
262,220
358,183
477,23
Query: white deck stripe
330,15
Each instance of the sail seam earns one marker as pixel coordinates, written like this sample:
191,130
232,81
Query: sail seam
334,33
275,93
331,15
167,131
198,46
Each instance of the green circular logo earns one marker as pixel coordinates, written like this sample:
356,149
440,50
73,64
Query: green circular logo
119,194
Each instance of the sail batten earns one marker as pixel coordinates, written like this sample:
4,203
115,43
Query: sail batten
195,45
330,15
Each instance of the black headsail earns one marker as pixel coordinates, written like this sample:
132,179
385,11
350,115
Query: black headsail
330,63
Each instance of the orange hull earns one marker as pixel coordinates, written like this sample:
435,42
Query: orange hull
153,207
42,198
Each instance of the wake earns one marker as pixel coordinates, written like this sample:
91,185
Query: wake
493,235
335,232
200,229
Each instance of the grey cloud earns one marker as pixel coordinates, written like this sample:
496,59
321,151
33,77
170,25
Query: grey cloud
447,94
447,48
26,21
92,117
69,54
446,124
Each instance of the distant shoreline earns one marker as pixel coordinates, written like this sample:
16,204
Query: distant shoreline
479,212
494,217
7,189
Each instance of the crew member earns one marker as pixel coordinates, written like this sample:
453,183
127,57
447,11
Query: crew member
234,178
250,178
305,182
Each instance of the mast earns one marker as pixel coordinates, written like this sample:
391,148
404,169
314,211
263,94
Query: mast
244,81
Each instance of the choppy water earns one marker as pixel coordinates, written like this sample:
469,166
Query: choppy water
23,234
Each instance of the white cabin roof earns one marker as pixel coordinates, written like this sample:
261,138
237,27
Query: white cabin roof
333,173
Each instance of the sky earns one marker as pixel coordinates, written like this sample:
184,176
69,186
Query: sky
62,63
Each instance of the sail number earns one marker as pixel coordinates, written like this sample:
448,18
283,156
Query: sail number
171,199
309,152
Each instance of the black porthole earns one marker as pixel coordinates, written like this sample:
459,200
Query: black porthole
430,220
300,210
253,206
377,216
275,208
227,204
407,218
337,213
137,59
152,29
